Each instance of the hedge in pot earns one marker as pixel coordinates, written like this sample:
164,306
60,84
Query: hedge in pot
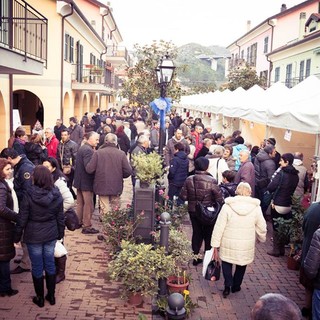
148,167
139,267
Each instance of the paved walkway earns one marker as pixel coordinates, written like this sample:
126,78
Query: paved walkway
87,294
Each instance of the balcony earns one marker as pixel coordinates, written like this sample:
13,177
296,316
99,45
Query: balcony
23,38
118,56
91,78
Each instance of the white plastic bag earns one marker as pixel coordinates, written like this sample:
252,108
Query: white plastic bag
60,250
206,260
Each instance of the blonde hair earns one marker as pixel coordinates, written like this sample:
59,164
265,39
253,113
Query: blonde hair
244,189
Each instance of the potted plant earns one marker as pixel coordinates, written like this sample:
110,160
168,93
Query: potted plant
179,248
148,167
119,224
139,267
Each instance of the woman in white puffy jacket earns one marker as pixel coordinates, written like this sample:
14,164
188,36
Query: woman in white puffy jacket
60,181
239,222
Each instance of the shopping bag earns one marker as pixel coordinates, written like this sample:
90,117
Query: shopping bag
206,260
60,250
213,271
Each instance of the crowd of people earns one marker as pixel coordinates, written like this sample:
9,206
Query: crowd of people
88,160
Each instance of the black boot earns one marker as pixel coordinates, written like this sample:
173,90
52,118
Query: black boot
60,268
226,291
38,287
51,287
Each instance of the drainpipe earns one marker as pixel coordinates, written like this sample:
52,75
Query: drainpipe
271,48
62,58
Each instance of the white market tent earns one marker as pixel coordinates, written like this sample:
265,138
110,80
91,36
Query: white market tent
261,113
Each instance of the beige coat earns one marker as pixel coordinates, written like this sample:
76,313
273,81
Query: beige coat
238,223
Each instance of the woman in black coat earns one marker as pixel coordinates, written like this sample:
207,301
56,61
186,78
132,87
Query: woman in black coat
36,151
282,185
200,187
42,220
7,217
123,140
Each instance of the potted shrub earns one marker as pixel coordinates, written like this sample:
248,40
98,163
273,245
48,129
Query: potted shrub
179,248
148,167
119,224
139,267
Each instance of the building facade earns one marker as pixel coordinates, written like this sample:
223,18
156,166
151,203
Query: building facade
74,72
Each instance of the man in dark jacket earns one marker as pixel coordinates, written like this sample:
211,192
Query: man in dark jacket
178,171
264,168
76,131
66,157
83,181
23,169
58,128
110,166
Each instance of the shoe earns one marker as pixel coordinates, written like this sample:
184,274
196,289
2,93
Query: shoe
18,270
51,286
274,254
39,289
235,289
101,237
306,312
226,292
17,261
89,231
195,262
9,293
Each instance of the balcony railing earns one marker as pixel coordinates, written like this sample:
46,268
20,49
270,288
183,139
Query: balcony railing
23,29
118,53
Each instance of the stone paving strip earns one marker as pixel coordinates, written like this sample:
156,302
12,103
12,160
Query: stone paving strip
88,294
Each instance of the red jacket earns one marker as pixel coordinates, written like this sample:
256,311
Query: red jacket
52,146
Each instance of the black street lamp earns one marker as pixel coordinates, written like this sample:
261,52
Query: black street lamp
164,73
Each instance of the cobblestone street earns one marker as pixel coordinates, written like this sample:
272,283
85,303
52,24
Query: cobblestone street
87,294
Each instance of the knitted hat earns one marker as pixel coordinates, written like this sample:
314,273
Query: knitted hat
201,164
272,141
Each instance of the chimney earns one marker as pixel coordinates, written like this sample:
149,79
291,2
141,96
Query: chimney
248,25
302,25
283,7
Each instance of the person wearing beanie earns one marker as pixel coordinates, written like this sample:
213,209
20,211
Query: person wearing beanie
200,187
276,155
282,185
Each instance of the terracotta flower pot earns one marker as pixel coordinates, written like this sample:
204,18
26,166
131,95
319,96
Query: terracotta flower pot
135,298
293,264
177,284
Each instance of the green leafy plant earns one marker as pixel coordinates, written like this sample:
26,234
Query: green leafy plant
148,166
140,266
119,224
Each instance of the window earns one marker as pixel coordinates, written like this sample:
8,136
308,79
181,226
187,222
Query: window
277,74
253,58
301,71
248,54
308,67
289,75
68,48
242,54
93,59
79,74
265,45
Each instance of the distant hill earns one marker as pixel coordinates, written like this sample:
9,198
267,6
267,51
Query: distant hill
194,62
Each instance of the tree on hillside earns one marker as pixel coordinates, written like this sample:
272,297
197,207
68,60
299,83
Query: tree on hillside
141,86
245,77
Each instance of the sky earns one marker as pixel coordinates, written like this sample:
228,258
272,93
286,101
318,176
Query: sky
207,22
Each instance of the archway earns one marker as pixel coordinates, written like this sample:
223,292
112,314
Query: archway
96,102
30,108
77,107
84,105
66,108
91,107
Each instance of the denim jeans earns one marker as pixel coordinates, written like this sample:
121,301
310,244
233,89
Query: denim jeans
236,279
42,258
316,304
5,280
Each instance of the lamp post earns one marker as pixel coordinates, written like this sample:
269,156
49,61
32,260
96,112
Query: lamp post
164,73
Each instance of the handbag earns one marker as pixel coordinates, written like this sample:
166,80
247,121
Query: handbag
59,250
268,196
71,220
206,214
213,271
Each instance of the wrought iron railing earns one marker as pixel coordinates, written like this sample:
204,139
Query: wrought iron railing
23,29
